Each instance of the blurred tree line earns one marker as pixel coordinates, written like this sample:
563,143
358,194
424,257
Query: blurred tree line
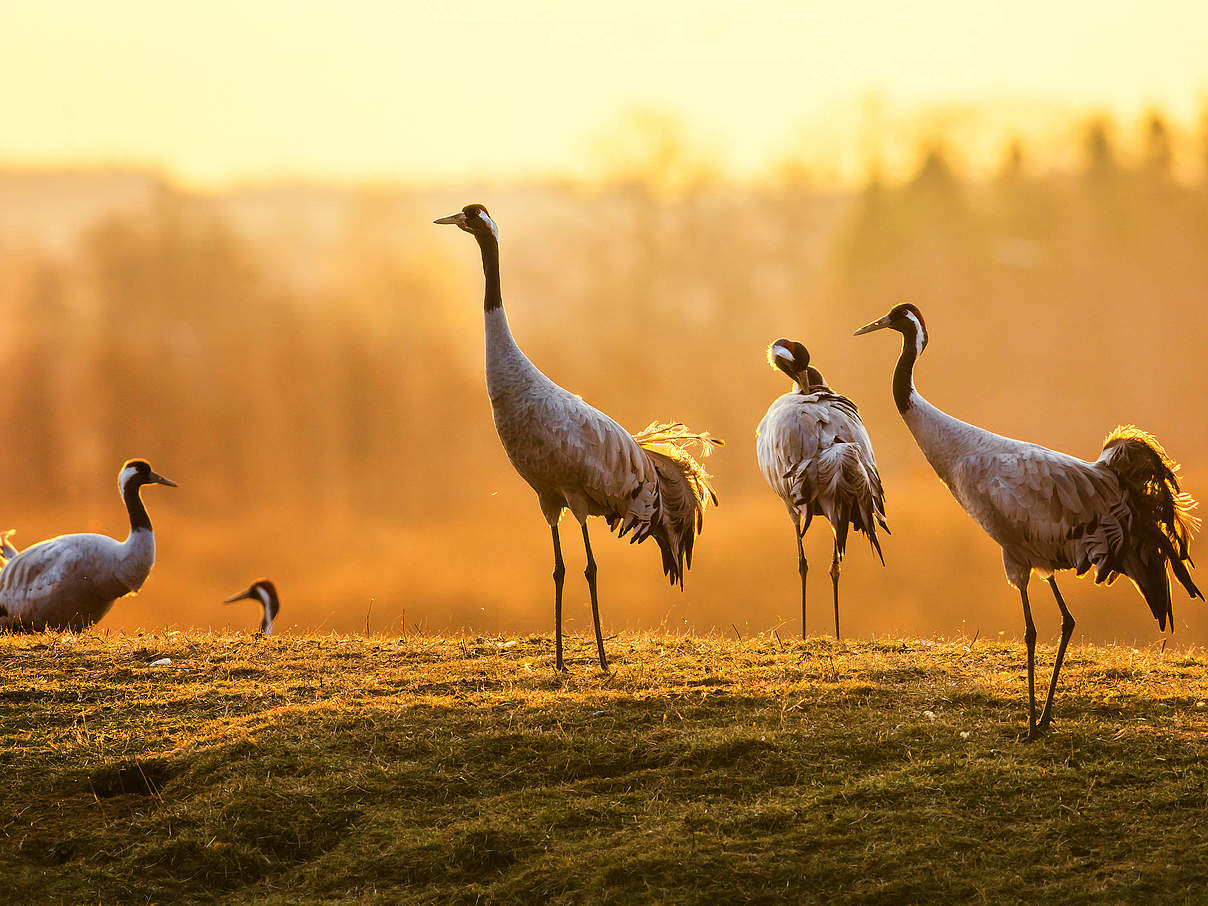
1096,278
168,335
162,337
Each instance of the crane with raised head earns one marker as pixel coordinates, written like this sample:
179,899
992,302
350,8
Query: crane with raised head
71,581
576,458
1123,514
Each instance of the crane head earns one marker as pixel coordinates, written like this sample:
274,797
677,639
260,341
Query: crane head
265,592
906,319
790,357
473,218
138,472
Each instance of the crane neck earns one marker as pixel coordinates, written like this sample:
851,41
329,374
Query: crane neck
903,374
489,245
139,520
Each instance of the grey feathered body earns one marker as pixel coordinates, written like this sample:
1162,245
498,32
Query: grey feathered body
1028,498
817,457
1051,511
576,457
70,582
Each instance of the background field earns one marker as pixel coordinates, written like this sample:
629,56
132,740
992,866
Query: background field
446,770
216,252
306,362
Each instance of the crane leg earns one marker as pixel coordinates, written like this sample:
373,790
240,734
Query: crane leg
590,573
559,575
835,582
802,568
1067,630
1029,637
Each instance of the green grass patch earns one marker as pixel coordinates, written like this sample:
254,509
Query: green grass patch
434,770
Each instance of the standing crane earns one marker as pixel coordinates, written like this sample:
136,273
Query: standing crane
265,592
817,458
71,581
1123,514
577,458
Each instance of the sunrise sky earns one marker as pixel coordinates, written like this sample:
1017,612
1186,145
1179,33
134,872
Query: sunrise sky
446,91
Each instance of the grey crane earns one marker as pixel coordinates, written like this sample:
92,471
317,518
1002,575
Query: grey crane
577,458
265,592
1123,514
817,458
71,581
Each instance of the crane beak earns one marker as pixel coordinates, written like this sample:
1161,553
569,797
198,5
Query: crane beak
459,218
159,479
875,325
239,597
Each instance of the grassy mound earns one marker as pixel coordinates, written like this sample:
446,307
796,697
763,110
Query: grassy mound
431,770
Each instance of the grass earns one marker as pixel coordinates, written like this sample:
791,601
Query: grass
704,770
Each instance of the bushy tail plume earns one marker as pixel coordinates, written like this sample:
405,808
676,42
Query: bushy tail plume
1162,519
7,551
846,489
684,492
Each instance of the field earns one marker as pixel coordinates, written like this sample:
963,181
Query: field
463,770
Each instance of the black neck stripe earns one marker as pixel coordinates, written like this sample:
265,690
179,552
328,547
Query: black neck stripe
490,268
134,506
903,374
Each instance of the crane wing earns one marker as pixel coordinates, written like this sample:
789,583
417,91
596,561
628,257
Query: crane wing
42,570
602,462
790,434
1048,510
32,570
1034,497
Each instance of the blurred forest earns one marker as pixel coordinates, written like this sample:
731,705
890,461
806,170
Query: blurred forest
306,361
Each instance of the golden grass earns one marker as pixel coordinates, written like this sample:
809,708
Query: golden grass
436,770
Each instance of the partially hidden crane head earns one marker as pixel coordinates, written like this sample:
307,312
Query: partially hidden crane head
138,472
265,592
793,359
473,218
906,320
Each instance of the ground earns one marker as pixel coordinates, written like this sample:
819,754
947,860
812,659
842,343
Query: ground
703,770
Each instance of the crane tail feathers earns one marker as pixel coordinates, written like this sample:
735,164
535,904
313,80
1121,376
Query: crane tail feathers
1159,515
682,493
845,487
876,545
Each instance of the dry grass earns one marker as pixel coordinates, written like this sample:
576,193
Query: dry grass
437,770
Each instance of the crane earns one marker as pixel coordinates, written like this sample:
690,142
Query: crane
646,485
71,581
817,458
1123,514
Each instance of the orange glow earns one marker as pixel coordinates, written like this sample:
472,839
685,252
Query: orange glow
417,92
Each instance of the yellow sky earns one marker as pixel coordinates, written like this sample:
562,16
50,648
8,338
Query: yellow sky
415,91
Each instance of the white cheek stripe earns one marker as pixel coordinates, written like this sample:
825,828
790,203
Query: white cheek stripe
781,353
489,222
920,334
